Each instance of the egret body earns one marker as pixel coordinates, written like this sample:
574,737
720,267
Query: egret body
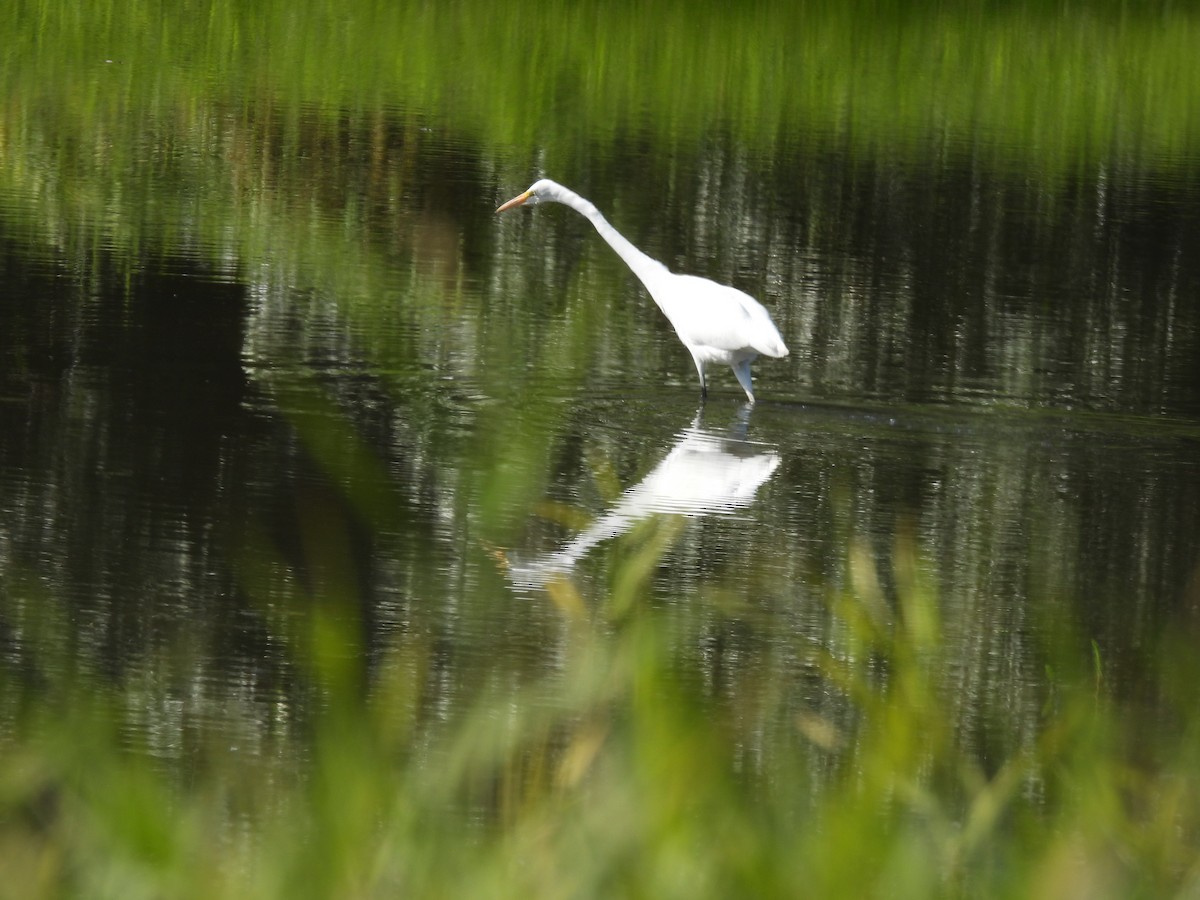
717,323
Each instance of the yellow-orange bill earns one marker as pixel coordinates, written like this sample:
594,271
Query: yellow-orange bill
515,201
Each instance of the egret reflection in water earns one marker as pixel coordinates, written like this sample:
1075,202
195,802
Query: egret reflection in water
705,472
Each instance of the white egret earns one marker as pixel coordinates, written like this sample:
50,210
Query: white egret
717,324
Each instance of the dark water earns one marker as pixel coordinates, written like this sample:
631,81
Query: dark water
429,411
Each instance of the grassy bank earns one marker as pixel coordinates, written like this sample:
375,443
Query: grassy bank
1048,84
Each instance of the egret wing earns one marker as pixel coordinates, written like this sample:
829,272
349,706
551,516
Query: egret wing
710,315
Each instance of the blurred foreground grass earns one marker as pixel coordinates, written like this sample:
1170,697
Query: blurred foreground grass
623,774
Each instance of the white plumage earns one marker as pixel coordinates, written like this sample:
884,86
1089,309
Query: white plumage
717,323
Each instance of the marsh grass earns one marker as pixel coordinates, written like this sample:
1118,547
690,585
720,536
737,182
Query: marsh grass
147,89
623,774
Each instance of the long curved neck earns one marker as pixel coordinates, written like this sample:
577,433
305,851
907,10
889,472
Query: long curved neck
642,265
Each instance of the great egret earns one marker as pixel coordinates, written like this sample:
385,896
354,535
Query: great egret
717,324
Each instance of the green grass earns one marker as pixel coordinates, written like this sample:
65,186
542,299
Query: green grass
1047,84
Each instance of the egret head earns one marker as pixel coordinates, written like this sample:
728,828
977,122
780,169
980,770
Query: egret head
542,191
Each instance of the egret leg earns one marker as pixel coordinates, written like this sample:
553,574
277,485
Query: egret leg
742,371
703,383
